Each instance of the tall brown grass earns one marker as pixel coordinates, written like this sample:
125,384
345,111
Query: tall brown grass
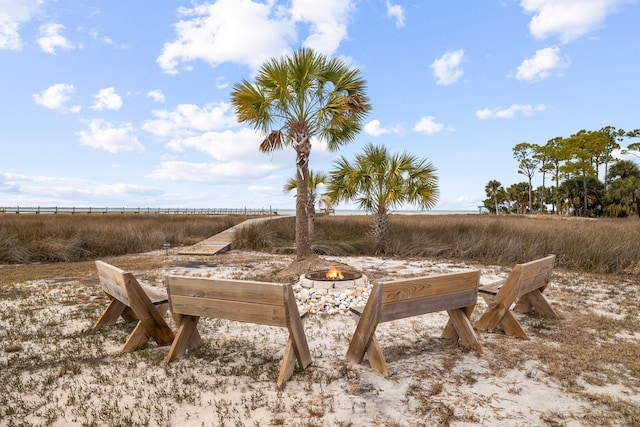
31,238
602,245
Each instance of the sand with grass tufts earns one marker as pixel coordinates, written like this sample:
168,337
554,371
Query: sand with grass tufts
583,369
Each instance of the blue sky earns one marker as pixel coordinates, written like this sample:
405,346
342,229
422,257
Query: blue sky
127,103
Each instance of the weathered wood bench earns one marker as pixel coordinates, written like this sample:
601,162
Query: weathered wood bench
263,303
457,293
524,287
132,300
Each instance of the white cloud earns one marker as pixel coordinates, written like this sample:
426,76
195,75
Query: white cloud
508,113
50,38
328,20
54,97
539,67
241,31
107,99
189,119
428,125
104,135
447,69
216,172
156,95
568,19
250,32
396,12
13,13
373,128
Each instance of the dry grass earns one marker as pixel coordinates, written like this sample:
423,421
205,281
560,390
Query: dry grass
601,246
66,237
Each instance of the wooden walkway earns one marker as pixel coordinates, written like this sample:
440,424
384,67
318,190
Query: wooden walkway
221,242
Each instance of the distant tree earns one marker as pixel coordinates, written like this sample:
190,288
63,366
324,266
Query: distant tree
296,98
572,191
316,180
623,194
494,191
518,196
582,145
379,181
524,153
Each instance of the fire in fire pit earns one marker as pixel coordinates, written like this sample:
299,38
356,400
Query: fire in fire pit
333,278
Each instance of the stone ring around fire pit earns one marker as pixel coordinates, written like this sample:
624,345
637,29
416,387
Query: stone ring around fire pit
333,278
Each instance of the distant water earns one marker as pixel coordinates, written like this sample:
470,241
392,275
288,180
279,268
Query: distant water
398,212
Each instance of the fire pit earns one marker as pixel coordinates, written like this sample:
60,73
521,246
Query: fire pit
333,278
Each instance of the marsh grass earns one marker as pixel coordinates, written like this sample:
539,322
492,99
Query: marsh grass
64,237
602,246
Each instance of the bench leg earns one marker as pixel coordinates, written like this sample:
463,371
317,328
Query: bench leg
459,318
145,329
537,302
512,327
288,363
291,356
495,315
376,358
357,349
184,337
114,310
449,332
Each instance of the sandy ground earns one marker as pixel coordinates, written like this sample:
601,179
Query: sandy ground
57,370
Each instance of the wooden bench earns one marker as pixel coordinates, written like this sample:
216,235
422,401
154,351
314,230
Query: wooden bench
524,287
457,293
132,300
263,303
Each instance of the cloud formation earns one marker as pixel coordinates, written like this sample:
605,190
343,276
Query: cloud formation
374,128
396,12
568,19
540,65
510,112
107,99
105,136
54,97
13,14
50,38
249,32
428,125
447,69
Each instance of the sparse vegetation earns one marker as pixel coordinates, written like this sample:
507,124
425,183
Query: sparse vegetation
56,370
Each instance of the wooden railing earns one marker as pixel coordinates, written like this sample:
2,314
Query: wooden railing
123,210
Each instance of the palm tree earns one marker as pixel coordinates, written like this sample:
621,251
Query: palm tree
494,189
296,98
379,181
316,179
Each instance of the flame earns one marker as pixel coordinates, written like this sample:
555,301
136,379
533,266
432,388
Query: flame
334,273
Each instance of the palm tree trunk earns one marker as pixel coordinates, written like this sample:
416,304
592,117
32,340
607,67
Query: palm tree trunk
303,245
380,230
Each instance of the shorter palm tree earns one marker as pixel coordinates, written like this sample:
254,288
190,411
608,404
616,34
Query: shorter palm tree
379,182
316,179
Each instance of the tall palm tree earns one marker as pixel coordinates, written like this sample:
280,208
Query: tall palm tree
296,98
316,179
379,181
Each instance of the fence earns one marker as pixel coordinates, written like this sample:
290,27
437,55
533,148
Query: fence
123,210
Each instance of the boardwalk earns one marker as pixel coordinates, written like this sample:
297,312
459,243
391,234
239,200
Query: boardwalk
221,242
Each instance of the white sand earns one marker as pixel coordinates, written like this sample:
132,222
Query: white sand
231,379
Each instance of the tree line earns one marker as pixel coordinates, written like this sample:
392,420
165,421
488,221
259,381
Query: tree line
573,166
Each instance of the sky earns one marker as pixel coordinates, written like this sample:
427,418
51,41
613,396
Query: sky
127,103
